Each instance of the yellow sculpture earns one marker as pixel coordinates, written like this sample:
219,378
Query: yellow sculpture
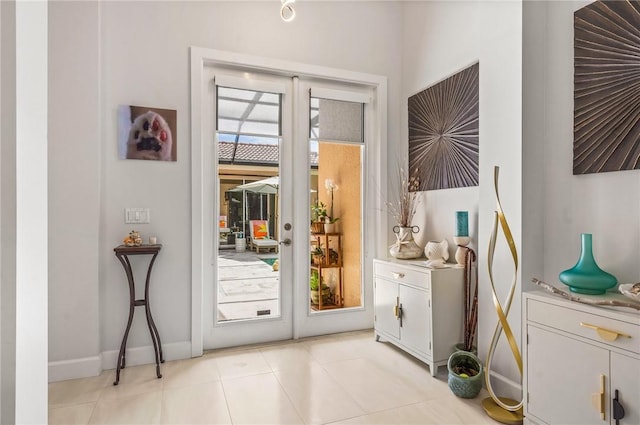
500,408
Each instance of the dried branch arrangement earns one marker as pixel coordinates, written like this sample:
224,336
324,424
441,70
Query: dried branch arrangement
570,297
403,207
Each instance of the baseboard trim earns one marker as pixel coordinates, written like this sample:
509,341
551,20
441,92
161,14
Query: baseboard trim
145,355
505,387
75,368
93,366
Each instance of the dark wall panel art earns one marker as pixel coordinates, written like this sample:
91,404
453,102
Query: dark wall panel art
443,133
606,126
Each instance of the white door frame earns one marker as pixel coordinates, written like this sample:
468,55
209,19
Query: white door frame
375,169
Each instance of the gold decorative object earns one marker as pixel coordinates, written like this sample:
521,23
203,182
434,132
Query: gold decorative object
501,404
133,239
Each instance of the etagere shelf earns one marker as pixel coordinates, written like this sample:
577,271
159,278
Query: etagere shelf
331,260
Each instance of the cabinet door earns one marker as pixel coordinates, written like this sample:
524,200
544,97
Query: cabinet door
386,294
563,374
625,377
415,331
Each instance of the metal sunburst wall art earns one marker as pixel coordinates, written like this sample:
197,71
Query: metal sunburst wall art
443,132
606,129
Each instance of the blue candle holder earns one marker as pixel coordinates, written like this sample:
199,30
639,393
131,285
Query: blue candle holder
462,223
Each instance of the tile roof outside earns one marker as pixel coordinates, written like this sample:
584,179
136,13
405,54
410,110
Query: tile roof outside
253,153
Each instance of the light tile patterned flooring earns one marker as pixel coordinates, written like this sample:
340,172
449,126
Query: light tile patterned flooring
335,379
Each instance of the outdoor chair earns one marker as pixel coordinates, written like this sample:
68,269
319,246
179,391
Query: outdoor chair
222,224
260,238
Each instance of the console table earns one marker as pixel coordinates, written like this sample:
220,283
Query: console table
582,362
122,253
419,309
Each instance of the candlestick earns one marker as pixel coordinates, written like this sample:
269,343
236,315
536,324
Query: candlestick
461,241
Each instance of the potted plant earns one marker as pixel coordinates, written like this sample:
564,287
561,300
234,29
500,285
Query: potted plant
317,255
334,257
319,213
465,374
330,224
314,286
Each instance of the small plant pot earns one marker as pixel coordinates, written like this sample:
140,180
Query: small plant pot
317,227
315,297
465,374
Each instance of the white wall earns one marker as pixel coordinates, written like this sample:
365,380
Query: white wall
604,204
501,128
440,39
143,59
74,188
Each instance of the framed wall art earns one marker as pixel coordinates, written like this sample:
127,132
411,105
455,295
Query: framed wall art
146,133
606,123
443,133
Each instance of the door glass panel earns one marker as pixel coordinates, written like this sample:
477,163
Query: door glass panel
249,135
336,146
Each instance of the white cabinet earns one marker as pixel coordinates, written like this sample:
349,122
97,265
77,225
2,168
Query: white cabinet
419,309
576,357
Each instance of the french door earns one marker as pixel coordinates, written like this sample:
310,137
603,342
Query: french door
257,171
249,298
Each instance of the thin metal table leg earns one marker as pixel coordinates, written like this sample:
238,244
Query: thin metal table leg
152,330
121,355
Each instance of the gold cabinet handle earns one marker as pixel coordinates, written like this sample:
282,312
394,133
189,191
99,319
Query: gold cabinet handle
396,308
597,399
397,275
604,333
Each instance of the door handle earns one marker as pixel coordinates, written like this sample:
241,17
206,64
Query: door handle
618,409
285,242
604,333
597,399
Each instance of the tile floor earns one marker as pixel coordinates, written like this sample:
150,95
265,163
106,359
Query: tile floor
336,379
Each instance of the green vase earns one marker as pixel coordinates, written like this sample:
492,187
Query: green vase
586,277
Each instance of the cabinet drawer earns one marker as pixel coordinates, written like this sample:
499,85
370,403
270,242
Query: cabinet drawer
582,323
402,274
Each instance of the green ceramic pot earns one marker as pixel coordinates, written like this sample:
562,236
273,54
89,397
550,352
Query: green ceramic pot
462,381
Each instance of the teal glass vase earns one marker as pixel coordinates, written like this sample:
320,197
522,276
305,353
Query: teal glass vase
586,277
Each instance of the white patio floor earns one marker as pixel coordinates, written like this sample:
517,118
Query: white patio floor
248,286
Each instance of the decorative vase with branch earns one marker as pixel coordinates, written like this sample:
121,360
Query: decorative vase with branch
403,208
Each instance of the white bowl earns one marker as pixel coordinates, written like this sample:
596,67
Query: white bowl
625,289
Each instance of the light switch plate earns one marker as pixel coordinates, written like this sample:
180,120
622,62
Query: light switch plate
137,216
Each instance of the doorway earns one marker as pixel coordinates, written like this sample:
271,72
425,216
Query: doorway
232,194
